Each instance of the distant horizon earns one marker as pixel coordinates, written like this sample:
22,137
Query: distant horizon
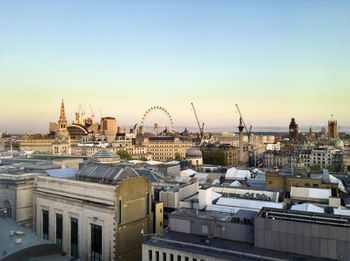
220,129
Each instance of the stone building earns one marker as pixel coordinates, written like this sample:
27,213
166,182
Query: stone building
164,148
97,217
294,131
194,155
16,196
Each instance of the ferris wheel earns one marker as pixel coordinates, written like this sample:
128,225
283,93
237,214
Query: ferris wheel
157,108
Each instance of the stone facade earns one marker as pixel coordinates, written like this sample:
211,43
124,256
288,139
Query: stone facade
121,211
16,195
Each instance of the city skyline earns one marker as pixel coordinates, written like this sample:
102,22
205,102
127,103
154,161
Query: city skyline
276,60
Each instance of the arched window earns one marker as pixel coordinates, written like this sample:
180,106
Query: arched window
7,205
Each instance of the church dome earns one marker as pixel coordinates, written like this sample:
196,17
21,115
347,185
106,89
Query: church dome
339,143
193,152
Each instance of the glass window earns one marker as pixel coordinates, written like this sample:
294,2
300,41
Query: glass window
119,211
74,237
45,224
96,243
147,203
59,229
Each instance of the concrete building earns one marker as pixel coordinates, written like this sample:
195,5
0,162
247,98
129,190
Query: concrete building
95,221
323,236
211,235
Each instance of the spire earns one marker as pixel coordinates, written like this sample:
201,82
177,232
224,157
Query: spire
62,122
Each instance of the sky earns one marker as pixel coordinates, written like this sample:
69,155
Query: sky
276,59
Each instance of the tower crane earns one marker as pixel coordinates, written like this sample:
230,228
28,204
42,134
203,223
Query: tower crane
201,128
245,126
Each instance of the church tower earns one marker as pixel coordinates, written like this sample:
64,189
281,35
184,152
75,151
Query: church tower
61,143
62,122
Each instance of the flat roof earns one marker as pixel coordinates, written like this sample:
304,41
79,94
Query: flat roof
218,248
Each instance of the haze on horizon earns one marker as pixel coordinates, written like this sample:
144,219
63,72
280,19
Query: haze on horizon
276,59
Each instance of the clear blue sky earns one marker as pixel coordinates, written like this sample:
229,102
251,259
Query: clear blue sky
276,59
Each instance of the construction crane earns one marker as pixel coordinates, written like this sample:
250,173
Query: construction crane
245,126
201,129
92,112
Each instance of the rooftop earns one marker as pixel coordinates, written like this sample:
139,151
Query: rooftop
18,243
218,248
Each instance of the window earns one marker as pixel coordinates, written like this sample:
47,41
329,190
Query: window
178,258
74,237
171,257
119,211
45,224
150,255
96,243
186,258
147,203
59,229
164,256
157,255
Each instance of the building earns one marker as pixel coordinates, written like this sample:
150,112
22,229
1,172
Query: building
16,196
108,128
323,236
332,129
194,155
164,148
20,244
97,217
231,154
284,182
211,235
322,157
294,131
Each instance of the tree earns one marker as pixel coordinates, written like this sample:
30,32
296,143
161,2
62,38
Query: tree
143,158
178,156
215,157
124,155
315,167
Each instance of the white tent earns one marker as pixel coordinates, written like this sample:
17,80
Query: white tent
308,208
237,174
236,183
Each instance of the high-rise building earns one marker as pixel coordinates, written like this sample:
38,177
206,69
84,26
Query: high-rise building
332,129
108,128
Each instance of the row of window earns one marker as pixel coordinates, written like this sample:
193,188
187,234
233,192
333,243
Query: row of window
96,235
172,257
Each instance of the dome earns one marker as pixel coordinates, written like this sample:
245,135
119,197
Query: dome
194,152
339,143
